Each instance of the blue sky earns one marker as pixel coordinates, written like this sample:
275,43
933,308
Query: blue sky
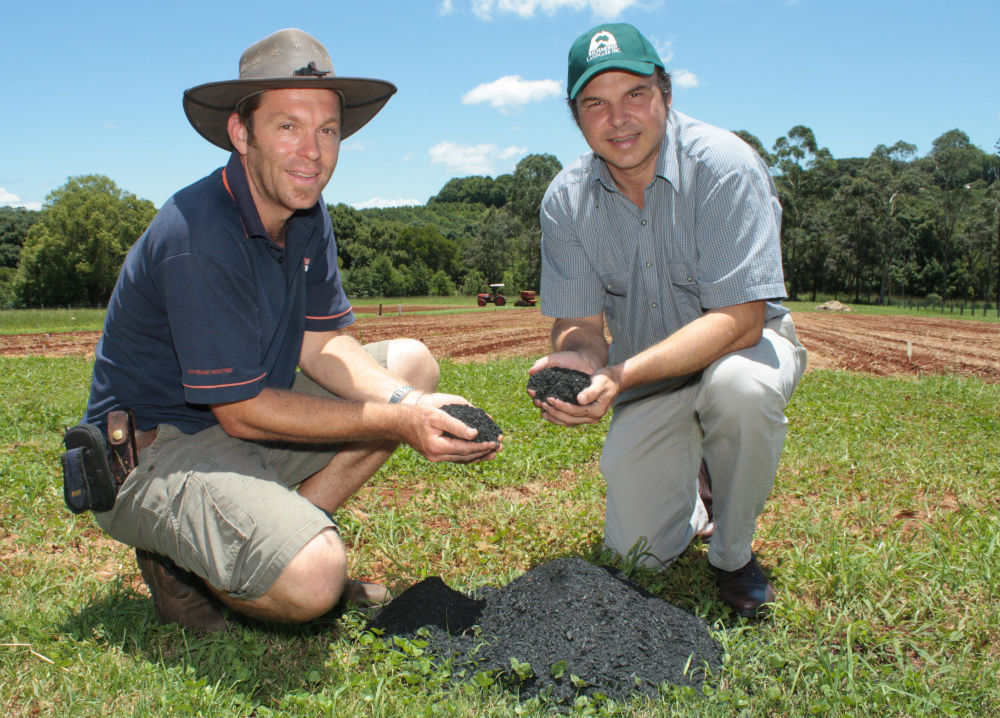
96,87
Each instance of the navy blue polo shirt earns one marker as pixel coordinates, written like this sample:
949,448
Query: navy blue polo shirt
208,309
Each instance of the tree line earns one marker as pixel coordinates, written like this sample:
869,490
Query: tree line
868,229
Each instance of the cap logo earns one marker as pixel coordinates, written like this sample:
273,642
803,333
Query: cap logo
601,44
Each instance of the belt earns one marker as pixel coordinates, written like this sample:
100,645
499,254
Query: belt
145,439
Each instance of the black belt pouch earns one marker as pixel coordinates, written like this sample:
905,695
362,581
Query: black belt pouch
88,483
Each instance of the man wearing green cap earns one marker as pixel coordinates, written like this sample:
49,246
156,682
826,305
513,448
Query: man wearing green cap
256,415
667,234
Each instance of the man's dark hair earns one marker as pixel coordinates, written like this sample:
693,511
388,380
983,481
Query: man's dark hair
245,109
662,81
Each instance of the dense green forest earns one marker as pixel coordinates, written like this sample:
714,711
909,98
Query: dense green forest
867,229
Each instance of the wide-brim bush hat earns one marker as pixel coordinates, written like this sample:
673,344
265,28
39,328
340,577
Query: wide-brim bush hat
289,58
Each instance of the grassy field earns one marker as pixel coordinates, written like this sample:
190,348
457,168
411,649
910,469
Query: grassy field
882,536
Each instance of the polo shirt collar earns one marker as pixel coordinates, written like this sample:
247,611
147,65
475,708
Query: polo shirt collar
235,178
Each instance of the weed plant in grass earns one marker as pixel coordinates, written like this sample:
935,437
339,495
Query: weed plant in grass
881,536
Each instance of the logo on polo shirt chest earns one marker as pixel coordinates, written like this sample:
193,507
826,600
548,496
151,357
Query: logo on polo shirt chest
305,264
601,44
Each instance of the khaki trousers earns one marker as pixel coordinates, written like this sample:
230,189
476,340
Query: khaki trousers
734,419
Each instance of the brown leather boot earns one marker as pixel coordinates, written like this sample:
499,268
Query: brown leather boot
179,597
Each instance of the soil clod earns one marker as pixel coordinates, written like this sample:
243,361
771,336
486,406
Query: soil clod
583,629
560,383
476,418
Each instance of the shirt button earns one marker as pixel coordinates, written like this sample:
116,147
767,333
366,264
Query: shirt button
643,223
649,264
690,278
654,305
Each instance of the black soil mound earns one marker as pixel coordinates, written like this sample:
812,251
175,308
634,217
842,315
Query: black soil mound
582,628
558,382
476,418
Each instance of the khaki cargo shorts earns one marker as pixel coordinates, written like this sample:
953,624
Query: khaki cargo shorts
224,508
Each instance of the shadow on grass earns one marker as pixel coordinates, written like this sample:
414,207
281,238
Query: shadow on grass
263,660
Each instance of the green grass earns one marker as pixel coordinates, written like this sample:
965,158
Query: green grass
882,536
34,321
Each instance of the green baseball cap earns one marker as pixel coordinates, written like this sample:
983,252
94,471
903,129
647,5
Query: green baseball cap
617,46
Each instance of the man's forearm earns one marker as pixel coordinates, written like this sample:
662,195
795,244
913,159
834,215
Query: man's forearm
340,364
695,345
280,415
585,336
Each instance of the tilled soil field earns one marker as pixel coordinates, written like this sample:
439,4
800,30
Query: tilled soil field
880,345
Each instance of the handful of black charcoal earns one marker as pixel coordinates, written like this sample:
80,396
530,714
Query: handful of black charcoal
476,418
559,383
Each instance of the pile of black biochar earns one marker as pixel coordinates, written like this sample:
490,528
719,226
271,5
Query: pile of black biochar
582,628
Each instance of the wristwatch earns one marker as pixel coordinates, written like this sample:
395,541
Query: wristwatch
397,396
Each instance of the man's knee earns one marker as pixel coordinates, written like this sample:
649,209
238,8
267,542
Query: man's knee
413,361
736,386
313,581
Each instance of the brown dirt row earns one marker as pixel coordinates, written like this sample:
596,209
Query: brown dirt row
880,345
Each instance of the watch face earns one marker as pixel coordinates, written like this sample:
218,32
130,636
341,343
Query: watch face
397,396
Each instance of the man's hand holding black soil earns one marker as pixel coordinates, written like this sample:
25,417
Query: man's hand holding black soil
438,436
591,404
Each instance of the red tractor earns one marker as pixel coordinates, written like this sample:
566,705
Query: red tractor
528,299
495,295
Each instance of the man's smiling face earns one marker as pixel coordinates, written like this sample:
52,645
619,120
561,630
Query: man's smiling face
623,118
292,151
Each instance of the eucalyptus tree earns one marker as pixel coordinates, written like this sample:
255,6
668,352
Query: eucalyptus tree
872,209
805,177
951,170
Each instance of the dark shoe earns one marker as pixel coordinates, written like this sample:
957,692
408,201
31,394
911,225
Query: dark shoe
746,589
179,597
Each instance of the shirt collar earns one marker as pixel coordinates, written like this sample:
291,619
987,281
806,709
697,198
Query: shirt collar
235,178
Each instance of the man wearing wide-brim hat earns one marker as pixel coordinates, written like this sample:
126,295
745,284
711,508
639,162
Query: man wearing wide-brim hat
232,288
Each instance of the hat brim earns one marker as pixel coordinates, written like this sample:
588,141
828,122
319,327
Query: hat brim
209,106
634,66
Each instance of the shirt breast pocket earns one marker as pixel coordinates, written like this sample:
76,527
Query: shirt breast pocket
684,285
615,285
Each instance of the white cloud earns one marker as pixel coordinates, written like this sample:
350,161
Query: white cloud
512,92
353,145
446,7
381,202
683,78
9,199
665,51
471,159
605,9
